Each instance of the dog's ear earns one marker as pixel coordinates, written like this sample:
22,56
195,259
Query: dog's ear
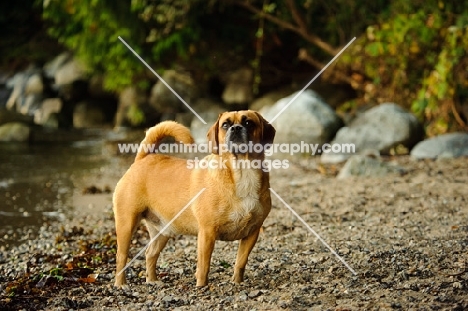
212,136
268,131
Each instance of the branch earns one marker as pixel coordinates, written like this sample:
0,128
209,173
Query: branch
297,16
457,116
299,30
304,56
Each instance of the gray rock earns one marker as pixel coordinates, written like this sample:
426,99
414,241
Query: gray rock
447,146
87,115
30,104
18,84
243,296
269,99
168,298
165,101
69,72
308,118
34,84
49,107
360,165
381,128
238,88
50,68
27,87
14,132
255,293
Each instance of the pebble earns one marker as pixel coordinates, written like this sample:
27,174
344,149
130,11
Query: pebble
255,293
168,298
242,296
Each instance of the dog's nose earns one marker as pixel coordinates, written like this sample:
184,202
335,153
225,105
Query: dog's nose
236,128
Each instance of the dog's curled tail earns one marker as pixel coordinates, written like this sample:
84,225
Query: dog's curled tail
155,134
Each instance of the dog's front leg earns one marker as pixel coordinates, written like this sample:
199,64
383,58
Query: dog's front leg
206,242
245,247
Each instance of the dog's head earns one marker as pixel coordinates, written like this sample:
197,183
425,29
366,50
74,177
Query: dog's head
235,130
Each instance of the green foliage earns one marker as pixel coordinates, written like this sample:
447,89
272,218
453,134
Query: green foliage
413,58
92,28
409,52
135,115
436,99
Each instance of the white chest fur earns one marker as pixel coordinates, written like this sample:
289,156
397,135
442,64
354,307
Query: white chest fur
247,192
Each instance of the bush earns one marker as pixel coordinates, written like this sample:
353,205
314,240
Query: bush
418,60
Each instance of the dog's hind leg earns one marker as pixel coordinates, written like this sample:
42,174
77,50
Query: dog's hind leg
153,251
125,227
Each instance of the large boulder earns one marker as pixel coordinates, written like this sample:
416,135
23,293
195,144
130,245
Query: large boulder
365,166
238,88
15,132
27,91
265,102
448,146
30,104
46,114
34,84
308,118
51,67
70,71
381,128
163,100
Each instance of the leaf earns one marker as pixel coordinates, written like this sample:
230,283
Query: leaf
374,49
269,8
224,264
91,278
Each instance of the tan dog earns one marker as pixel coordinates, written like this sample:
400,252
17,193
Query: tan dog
233,206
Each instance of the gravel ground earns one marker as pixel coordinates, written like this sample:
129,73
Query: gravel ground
405,236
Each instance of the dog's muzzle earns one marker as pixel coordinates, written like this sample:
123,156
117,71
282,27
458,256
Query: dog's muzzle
235,136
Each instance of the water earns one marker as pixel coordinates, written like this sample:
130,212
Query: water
37,182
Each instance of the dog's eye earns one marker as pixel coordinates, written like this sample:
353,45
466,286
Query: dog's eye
225,125
248,123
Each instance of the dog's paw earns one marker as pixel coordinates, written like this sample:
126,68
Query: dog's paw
236,281
202,283
238,276
151,279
